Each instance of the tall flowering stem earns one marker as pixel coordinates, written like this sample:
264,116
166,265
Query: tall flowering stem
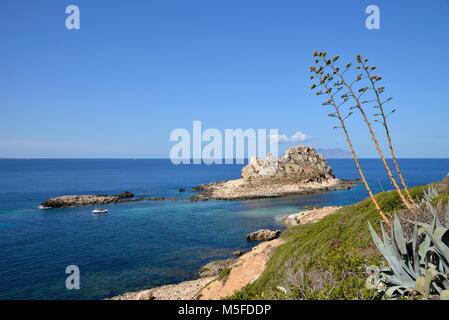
356,97
330,88
379,104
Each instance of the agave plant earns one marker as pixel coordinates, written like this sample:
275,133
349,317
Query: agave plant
429,195
417,267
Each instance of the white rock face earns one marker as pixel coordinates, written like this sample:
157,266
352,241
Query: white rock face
260,168
301,163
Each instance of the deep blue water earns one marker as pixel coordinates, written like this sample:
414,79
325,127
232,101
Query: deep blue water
143,244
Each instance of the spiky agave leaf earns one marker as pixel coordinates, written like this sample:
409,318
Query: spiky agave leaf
437,240
400,276
444,295
395,292
415,248
446,217
423,258
399,248
399,236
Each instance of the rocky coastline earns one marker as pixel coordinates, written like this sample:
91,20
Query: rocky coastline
70,201
221,278
85,200
300,171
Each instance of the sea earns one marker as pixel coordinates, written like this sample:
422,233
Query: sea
140,245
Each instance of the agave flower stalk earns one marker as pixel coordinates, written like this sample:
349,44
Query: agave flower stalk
325,82
351,93
380,105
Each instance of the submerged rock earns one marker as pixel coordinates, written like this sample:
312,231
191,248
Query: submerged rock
263,235
85,200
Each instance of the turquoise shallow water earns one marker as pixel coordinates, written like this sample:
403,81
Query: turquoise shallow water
142,244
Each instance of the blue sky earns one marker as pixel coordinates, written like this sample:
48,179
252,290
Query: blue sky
136,70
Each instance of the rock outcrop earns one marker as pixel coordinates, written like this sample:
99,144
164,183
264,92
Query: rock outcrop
187,290
214,268
263,235
301,170
309,216
302,164
85,200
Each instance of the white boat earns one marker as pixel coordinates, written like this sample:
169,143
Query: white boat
99,211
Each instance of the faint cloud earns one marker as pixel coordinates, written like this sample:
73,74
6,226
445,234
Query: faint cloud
299,136
278,138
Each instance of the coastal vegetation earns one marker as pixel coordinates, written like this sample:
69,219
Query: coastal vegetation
418,264
328,259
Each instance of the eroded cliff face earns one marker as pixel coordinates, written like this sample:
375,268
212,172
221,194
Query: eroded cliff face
301,163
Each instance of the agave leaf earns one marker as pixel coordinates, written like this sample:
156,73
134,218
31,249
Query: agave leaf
400,275
445,282
402,259
433,278
399,236
394,245
434,222
441,260
435,215
444,295
442,234
422,286
371,282
446,217
386,238
424,246
394,292
439,245
415,246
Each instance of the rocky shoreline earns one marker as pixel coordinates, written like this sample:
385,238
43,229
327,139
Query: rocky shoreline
241,190
222,278
309,216
70,201
85,200
300,171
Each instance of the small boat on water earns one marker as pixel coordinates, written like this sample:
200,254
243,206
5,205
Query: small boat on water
99,211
